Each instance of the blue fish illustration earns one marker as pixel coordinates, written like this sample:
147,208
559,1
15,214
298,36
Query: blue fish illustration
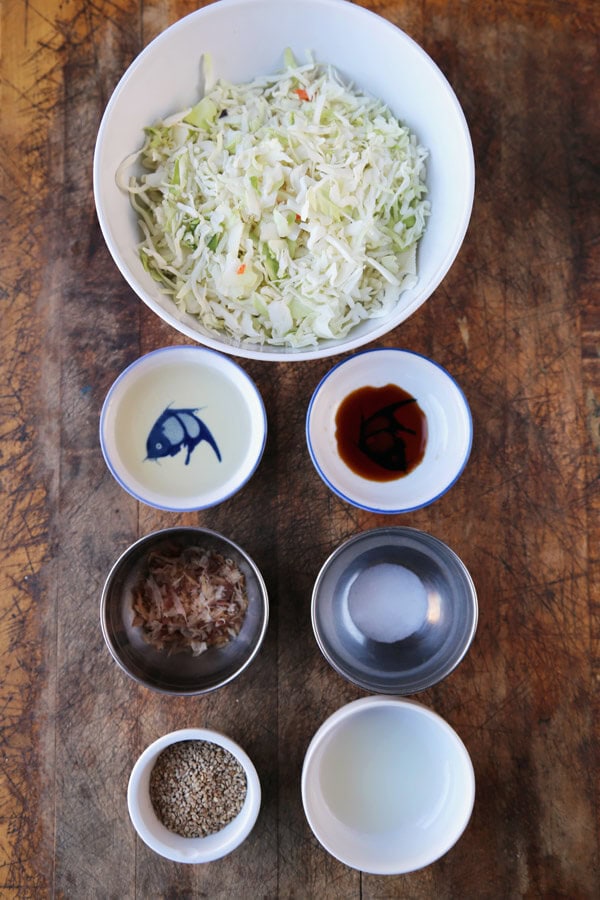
177,428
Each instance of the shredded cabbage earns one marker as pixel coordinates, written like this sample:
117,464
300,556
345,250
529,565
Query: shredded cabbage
281,211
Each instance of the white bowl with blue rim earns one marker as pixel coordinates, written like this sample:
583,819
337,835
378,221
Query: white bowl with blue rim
448,430
183,428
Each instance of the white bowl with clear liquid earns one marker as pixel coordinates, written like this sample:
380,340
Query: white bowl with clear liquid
183,428
173,846
388,786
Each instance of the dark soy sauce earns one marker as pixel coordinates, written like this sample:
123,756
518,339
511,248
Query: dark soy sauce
381,432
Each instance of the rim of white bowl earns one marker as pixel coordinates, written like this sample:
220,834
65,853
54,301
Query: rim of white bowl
150,828
326,348
377,700
225,360
346,497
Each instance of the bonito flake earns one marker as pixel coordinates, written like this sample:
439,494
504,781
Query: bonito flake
189,600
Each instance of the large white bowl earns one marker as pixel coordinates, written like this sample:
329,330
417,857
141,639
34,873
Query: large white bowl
247,38
388,786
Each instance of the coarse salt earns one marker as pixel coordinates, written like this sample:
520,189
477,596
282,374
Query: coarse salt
387,602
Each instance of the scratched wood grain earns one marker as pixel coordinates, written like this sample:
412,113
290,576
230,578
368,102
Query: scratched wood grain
516,321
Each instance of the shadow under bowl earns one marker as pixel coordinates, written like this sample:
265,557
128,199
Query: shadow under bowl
246,40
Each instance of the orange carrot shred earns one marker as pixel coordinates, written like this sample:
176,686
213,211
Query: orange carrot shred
301,94
241,269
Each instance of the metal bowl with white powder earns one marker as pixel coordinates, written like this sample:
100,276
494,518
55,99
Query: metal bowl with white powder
394,610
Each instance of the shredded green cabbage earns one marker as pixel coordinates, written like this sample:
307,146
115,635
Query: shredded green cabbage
282,211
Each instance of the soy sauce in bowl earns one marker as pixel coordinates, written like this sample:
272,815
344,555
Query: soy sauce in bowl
381,432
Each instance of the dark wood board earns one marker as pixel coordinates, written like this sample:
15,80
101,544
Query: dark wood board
516,321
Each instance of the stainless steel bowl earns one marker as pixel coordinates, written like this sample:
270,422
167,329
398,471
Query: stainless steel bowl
445,630
180,673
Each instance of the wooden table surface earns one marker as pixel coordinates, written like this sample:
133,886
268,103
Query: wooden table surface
516,321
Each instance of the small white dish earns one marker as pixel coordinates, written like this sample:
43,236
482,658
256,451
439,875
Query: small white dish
449,430
183,428
388,786
171,845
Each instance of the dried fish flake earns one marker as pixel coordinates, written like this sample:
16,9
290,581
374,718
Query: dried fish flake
189,600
